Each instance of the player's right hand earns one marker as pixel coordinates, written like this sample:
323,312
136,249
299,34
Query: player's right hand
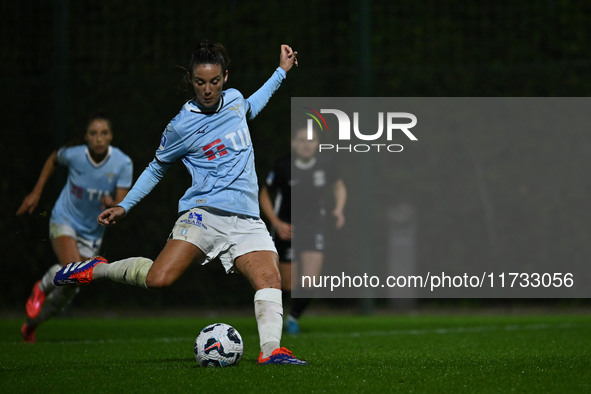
110,216
287,58
283,230
29,204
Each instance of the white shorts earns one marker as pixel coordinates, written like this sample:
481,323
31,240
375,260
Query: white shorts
222,234
86,247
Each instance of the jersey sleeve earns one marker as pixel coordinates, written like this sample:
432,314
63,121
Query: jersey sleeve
260,98
63,156
171,147
271,177
270,181
144,185
279,175
126,174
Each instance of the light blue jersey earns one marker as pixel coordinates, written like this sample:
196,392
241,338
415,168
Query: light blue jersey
88,182
216,149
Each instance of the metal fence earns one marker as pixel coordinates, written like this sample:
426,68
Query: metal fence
63,59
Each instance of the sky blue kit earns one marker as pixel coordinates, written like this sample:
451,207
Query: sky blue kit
216,148
79,202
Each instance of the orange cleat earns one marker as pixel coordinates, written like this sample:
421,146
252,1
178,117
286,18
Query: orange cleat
281,356
28,333
35,301
75,273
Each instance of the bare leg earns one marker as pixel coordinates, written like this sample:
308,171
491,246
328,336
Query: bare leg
260,268
66,250
172,262
311,263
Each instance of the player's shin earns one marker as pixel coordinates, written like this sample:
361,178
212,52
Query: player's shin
132,271
268,310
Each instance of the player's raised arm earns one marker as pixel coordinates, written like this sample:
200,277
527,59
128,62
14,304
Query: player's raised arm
287,58
260,98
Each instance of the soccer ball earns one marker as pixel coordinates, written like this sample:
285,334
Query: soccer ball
218,345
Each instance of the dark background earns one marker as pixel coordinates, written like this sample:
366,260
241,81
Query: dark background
62,60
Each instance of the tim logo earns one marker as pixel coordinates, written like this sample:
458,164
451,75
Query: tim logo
215,149
390,122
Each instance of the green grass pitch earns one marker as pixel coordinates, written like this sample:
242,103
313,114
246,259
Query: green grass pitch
422,354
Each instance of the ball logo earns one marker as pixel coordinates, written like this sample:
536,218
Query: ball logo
390,122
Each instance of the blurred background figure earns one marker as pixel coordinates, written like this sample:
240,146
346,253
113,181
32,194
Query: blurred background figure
99,176
308,178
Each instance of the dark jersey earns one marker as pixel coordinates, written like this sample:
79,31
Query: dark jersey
306,191
309,186
279,183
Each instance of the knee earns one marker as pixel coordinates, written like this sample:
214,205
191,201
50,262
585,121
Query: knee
157,279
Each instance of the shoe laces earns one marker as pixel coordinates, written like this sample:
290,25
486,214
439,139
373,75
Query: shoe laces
283,350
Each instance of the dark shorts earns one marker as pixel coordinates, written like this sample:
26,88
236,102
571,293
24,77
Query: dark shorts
308,240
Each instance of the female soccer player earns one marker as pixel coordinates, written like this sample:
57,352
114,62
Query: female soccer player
99,176
219,213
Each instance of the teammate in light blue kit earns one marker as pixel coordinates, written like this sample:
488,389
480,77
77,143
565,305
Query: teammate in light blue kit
99,176
89,188
219,213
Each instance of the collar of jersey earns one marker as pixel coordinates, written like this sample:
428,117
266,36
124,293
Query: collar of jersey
194,107
302,165
94,163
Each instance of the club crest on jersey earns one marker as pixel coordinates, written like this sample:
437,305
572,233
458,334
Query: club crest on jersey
110,176
163,139
162,142
236,109
319,178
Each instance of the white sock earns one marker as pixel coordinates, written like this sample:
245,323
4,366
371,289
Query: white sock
268,310
132,271
46,285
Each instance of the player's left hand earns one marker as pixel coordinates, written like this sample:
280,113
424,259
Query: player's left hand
288,58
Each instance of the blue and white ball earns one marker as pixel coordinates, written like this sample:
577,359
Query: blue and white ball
218,345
